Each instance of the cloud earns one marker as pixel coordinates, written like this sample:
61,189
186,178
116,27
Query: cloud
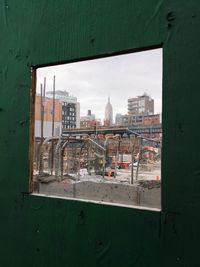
119,77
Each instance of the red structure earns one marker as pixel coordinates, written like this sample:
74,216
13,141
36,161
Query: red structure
151,119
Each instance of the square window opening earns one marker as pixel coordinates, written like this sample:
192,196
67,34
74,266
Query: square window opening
98,130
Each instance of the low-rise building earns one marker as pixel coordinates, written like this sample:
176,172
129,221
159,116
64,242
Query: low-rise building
89,120
152,119
48,117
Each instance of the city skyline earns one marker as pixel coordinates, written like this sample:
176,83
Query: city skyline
119,77
103,117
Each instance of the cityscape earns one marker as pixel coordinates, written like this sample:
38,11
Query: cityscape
140,112
109,153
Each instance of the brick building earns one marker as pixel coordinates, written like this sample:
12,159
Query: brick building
48,112
89,120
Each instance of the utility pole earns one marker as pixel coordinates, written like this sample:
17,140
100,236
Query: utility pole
41,165
139,157
117,157
132,160
53,110
53,119
88,157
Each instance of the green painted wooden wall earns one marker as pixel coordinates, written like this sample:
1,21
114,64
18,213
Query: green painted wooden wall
40,231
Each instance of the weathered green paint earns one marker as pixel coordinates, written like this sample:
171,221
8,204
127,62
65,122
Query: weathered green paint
39,231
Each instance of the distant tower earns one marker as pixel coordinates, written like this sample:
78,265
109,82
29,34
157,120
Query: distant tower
108,120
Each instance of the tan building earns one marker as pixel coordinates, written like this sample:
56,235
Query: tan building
141,105
48,112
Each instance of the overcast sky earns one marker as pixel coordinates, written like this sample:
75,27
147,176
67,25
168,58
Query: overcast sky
120,77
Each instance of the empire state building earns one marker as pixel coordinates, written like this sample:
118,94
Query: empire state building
108,120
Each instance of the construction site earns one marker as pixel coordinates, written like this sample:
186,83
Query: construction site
94,156
111,168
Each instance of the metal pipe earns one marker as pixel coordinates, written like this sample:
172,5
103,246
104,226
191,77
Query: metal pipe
53,118
41,112
88,157
79,161
62,154
51,138
140,144
41,167
97,144
132,160
57,157
53,109
117,158
43,99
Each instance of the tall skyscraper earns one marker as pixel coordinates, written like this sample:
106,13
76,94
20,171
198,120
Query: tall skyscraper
108,119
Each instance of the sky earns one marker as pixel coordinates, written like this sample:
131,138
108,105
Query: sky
118,77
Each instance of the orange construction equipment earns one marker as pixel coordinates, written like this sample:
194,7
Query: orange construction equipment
157,177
